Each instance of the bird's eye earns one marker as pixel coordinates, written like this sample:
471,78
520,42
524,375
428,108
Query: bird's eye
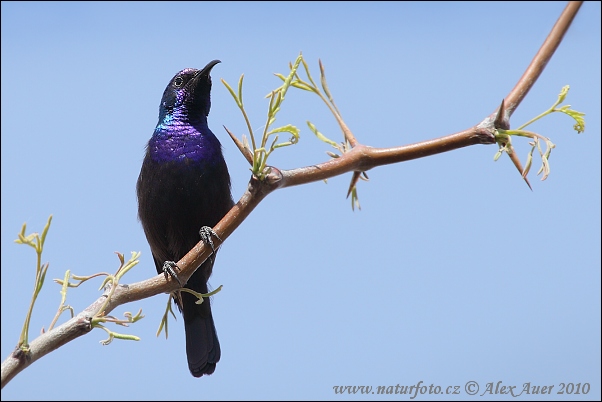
178,82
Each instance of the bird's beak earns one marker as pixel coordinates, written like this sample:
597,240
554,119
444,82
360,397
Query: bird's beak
207,69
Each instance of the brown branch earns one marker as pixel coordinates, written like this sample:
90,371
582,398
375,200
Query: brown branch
534,70
362,157
81,324
543,56
359,158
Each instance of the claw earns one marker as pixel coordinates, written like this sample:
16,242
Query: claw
206,233
168,268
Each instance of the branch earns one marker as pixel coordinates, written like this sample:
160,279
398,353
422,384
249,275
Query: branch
535,68
81,324
358,158
543,56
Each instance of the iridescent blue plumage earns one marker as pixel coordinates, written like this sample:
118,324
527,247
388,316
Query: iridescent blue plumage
174,140
184,185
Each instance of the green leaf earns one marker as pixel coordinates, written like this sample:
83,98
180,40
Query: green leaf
289,79
240,88
307,72
289,128
497,155
529,162
301,85
238,102
578,116
563,93
321,136
323,82
45,231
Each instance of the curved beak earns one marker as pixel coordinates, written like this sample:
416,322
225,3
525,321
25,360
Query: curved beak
207,69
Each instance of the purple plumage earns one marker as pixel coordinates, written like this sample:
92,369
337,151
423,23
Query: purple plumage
184,185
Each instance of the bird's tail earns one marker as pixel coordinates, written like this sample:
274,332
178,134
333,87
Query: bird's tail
202,345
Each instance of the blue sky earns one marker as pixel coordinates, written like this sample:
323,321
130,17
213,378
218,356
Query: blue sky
453,271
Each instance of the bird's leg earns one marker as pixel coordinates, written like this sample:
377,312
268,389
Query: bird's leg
206,232
169,267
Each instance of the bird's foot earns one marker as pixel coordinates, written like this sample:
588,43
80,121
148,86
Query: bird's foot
206,233
169,267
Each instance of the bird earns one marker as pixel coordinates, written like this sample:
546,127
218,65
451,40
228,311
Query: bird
184,190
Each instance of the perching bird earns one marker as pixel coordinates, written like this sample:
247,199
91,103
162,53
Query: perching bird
184,186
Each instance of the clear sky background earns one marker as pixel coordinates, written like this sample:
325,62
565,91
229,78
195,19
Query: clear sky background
453,271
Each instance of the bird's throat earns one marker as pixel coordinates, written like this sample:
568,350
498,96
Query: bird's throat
184,143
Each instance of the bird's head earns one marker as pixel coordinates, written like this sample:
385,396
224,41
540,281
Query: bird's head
189,91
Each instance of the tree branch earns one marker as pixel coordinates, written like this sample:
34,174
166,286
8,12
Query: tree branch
543,56
359,158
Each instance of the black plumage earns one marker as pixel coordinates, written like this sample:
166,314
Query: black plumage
184,185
